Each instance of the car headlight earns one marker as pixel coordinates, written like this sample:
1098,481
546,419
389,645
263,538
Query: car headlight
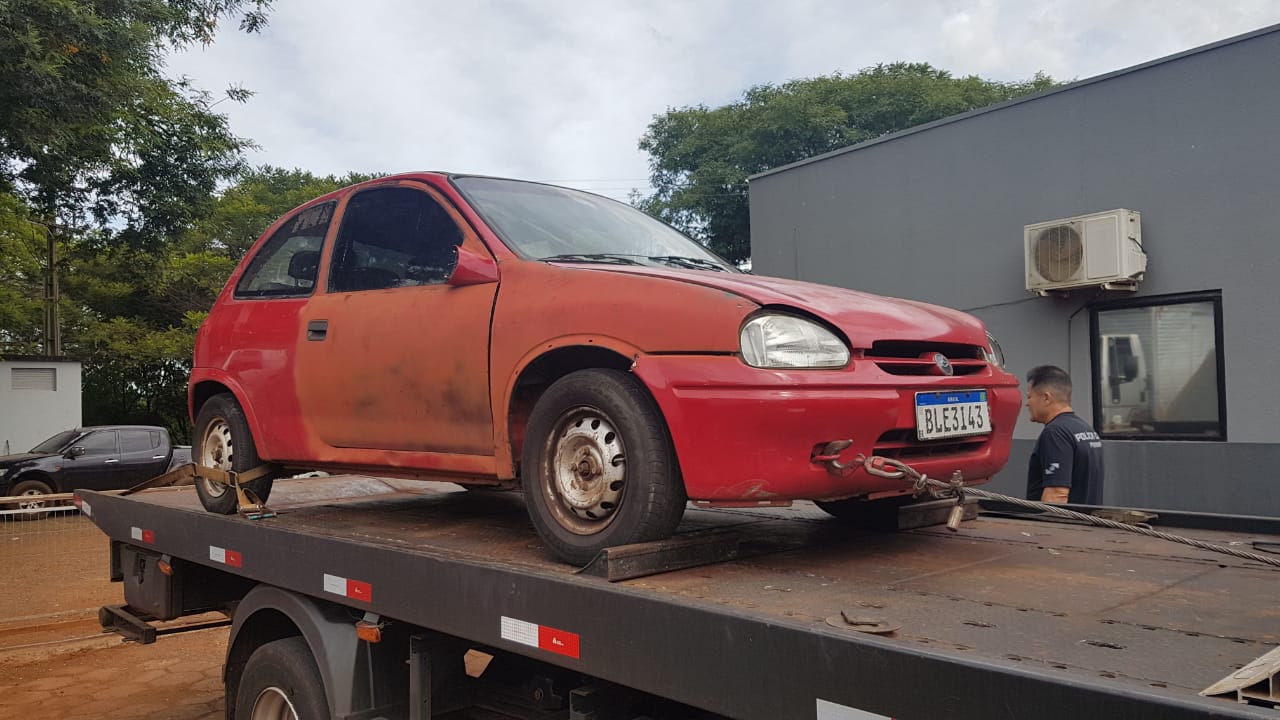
788,341
993,351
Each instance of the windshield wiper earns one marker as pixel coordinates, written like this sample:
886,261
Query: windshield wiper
592,257
688,262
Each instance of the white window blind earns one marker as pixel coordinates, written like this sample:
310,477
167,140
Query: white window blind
35,379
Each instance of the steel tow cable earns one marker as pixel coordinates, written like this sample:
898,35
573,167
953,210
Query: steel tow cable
877,466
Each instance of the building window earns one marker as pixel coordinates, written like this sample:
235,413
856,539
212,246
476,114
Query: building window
34,379
1158,370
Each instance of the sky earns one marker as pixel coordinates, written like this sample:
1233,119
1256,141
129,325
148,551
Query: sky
562,91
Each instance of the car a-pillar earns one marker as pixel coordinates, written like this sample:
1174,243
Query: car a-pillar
596,459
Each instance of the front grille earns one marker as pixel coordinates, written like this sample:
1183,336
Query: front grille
915,357
902,444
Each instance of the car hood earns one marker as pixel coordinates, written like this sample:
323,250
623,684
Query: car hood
863,317
8,461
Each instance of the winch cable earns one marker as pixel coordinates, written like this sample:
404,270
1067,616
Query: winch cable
877,466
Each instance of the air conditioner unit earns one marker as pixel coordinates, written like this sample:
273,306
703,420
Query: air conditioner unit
1099,250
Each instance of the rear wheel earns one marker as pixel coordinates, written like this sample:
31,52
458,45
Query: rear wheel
223,442
32,491
281,682
598,466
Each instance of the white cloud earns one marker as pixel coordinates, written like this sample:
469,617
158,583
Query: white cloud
562,91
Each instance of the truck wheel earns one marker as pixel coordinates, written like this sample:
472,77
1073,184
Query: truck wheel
281,682
598,466
33,489
223,442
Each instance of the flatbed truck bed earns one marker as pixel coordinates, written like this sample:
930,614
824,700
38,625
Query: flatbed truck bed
1008,617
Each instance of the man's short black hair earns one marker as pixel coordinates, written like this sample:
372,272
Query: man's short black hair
1051,378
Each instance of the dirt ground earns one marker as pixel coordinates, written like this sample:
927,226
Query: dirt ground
54,661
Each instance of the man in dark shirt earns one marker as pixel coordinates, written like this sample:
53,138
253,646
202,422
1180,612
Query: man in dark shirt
1066,465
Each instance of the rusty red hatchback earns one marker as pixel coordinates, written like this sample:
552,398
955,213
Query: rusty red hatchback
497,332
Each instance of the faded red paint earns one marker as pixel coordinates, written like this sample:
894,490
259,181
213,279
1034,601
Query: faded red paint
420,381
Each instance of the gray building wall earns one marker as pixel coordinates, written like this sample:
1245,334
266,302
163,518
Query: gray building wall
30,415
936,214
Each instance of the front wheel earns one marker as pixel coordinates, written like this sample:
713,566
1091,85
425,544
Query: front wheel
32,493
598,467
223,442
281,682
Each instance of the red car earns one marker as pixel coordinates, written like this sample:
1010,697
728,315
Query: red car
494,332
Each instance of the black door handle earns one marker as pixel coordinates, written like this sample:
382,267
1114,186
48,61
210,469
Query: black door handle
317,329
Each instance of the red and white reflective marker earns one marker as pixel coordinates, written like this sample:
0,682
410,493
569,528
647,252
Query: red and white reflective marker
84,506
225,556
141,535
347,588
542,637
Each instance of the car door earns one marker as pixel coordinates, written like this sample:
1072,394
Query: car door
390,356
143,455
251,335
97,466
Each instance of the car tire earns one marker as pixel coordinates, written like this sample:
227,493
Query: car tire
33,488
598,467
868,514
281,680
223,442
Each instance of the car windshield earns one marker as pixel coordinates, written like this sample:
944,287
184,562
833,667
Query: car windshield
57,442
545,222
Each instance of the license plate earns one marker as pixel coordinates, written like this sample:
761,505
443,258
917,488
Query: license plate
957,413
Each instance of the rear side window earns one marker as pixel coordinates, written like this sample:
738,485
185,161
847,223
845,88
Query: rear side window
288,262
393,237
137,441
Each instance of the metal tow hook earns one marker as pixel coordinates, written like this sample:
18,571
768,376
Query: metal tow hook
830,456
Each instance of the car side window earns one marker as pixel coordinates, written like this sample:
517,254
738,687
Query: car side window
101,442
288,262
137,441
393,237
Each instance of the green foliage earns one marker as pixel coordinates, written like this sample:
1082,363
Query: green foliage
22,245
700,157
122,162
88,123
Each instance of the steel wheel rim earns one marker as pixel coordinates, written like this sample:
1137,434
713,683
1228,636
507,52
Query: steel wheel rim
32,504
273,704
217,452
585,473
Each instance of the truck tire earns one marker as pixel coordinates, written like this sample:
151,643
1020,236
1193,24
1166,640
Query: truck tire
223,442
281,682
598,467
33,489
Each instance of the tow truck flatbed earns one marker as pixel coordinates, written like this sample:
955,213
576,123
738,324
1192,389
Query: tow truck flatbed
1009,617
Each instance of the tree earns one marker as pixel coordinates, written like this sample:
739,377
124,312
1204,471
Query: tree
700,157
89,125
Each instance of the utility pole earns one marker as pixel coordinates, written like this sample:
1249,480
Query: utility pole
52,327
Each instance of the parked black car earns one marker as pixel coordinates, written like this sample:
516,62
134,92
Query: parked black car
106,457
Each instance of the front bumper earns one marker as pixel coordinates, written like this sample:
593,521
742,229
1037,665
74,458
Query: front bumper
744,434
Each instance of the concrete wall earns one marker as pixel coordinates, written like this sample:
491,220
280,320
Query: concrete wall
936,214
30,416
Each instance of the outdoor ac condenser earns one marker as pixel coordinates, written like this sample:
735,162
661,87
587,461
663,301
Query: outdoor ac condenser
1098,250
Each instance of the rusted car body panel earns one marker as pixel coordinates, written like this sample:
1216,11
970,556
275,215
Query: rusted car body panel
436,380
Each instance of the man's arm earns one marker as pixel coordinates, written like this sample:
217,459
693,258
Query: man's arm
1055,494
1057,455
